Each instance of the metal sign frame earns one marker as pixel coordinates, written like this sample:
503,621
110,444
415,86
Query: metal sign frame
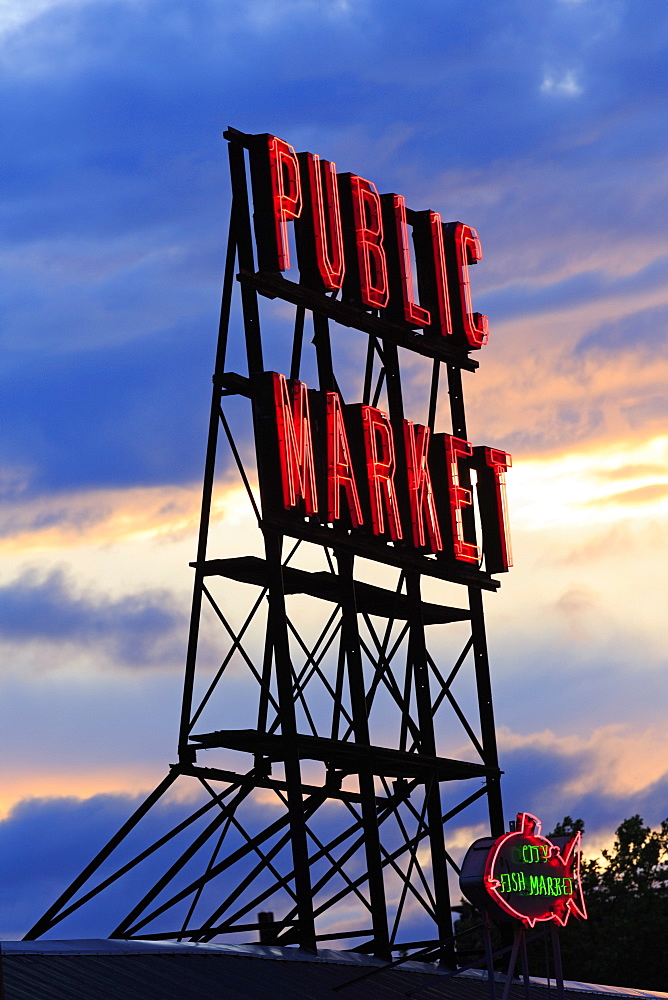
379,856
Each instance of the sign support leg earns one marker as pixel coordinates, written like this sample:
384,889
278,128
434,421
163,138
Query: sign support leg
525,966
517,941
489,956
556,954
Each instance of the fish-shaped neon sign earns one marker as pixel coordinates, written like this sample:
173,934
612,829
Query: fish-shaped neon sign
526,876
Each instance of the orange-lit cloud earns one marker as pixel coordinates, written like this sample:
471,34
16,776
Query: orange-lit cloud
639,495
592,485
98,517
616,762
53,782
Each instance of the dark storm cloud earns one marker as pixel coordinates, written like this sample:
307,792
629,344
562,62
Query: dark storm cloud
144,629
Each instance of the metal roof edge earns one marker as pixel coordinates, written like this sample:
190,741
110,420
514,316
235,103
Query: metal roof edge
116,946
574,986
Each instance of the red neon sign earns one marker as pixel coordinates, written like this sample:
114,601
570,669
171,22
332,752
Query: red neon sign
381,463
526,876
394,206
340,472
420,491
432,270
286,194
491,466
319,231
293,425
460,497
425,504
463,248
363,201
341,234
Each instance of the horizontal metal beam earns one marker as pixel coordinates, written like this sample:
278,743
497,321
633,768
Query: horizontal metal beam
390,555
327,587
261,781
273,286
352,758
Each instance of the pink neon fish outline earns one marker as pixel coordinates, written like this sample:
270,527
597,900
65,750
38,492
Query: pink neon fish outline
530,826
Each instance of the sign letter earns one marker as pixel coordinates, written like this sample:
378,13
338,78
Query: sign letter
460,497
402,294
295,444
380,462
431,270
340,474
462,247
491,465
318,231
362,201
420,493
277,195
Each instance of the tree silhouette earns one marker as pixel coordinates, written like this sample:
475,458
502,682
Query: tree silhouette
623,943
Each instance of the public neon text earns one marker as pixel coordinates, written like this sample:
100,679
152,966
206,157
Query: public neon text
347,235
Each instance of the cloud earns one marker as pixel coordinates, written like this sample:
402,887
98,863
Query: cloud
110,417
144,629
565,84
640,330
603,777
50,841
539,400
81,730
97,517
116,228
643,494
566,489
115,213
45,843
16,14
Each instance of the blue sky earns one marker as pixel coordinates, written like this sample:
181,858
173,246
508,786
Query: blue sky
542,124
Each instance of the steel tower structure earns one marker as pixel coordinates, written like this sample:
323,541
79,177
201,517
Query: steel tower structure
315,740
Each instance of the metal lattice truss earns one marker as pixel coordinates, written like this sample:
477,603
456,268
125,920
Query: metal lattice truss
334,720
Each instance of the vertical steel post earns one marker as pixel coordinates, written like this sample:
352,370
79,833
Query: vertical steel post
479,635
556,954
486,711
277,625
418,652
351,641
185,754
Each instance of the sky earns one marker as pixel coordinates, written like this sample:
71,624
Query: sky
539,122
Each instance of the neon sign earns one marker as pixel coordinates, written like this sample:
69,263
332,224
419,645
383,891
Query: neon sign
429,500
526,876
352,468
350,237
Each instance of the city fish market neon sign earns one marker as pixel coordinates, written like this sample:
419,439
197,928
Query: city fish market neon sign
526,876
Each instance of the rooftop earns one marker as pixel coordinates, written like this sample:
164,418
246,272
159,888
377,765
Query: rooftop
153,970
